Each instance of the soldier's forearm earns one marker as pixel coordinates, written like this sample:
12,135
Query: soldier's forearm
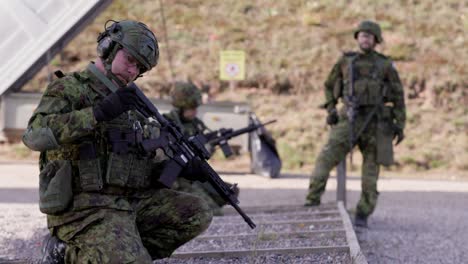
399,110
400,117
330,101
67,127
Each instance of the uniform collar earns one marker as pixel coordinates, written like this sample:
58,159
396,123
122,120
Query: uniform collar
370,53
95,83
364,55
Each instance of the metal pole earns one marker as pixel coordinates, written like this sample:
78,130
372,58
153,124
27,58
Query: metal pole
49,71
341,182
168,47
232,86
2,119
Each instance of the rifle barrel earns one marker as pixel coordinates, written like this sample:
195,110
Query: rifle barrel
241,131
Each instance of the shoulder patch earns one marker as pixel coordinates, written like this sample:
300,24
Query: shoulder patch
65,86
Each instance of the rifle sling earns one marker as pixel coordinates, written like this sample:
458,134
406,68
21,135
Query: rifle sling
101,77
369,116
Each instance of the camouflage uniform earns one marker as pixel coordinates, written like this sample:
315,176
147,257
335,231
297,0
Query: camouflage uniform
372,71
185,96
115,211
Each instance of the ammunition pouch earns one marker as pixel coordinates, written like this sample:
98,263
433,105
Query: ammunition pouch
368,92
385,137
124,168
89,166
124,141
128,170
55,187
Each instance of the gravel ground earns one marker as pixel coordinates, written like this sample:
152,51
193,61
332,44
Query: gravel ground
416,221
22,230
290,216
429,228
322,258
249,243
243,229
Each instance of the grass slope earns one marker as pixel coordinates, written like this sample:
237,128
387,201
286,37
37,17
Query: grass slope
291,46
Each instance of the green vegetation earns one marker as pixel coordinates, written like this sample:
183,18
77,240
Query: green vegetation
291,46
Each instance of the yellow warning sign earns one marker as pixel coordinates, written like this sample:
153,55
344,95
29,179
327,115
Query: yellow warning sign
232,65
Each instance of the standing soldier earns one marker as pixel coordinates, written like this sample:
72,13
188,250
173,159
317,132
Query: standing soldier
372,116
99,189
186,98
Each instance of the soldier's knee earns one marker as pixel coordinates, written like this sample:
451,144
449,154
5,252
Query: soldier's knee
321,173
203,214
326,162
198,213
370,167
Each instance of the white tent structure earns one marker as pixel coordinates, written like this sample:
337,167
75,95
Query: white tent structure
33,32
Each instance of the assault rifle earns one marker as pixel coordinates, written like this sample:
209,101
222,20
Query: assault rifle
183,151
220,137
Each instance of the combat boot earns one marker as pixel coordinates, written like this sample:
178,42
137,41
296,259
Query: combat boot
360,220
312,202
53,250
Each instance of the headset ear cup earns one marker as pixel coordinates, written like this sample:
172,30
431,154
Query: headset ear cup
104,47
105,42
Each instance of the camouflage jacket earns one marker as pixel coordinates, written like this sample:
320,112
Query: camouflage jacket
372,72
65,110
189,128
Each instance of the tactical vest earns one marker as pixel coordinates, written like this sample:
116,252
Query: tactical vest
115,158
112,159
368,76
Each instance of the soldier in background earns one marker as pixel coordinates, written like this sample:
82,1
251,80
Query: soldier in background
99,189
186,98
373,115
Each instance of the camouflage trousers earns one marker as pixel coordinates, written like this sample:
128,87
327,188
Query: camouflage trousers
205,191
153,229
335,150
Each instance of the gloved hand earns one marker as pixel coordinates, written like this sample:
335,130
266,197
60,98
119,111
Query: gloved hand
398,134
332,118
194,172
115,104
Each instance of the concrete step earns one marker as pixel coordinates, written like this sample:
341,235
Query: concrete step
284,234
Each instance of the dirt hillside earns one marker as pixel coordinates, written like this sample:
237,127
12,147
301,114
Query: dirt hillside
290,47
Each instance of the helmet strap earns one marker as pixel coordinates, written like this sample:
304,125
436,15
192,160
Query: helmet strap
108,65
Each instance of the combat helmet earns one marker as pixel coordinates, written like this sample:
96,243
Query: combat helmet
185,95
135,37
371,28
